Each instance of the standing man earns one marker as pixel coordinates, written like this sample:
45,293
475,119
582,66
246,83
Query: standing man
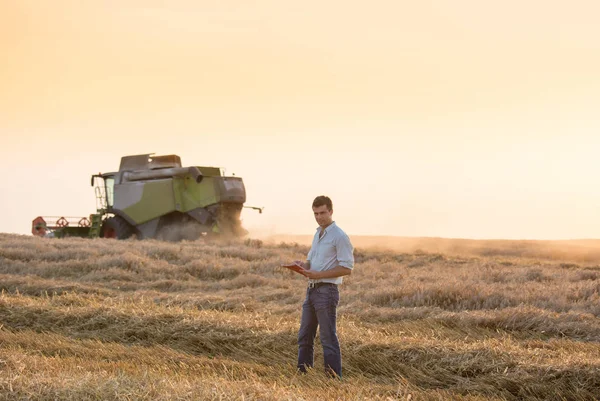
329,259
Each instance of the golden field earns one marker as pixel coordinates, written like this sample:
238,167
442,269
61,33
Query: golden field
419,319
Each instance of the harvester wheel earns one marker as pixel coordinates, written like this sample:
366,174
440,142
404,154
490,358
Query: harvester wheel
117,227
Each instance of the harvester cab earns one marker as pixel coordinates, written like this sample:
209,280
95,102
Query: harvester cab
156,197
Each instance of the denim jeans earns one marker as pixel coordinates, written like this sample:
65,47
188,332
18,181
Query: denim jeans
319,310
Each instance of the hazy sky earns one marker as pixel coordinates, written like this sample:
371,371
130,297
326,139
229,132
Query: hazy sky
444,118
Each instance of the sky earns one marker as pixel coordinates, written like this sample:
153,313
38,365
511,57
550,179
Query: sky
458,119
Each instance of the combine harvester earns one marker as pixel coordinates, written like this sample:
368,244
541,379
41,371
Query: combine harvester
155,197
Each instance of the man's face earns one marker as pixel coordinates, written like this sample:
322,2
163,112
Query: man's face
323,215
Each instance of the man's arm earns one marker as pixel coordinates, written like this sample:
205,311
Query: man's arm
337,271
345,252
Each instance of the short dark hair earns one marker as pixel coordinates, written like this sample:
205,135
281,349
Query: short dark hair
323,200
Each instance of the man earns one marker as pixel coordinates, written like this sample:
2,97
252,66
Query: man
329,259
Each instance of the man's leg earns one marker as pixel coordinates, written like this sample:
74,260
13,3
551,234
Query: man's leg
326,310
306,335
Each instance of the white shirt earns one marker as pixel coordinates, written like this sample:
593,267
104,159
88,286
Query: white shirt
331,250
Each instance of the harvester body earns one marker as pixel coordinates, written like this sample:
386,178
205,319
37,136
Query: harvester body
156,197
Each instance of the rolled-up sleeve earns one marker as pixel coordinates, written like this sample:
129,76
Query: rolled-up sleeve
345,252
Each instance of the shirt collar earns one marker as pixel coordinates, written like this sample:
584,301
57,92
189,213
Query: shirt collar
328,227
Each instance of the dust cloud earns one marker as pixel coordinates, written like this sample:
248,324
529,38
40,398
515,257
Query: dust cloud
579,251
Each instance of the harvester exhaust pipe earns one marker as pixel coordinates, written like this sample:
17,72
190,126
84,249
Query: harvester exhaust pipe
196,174
163,173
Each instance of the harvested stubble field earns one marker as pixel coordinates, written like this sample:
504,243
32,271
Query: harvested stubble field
148,320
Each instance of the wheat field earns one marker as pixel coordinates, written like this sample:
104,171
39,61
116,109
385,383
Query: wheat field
205,320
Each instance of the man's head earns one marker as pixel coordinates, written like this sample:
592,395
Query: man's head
323,210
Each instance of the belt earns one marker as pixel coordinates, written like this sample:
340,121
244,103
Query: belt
317,285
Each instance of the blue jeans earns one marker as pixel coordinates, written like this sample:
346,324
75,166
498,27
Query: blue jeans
319,310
